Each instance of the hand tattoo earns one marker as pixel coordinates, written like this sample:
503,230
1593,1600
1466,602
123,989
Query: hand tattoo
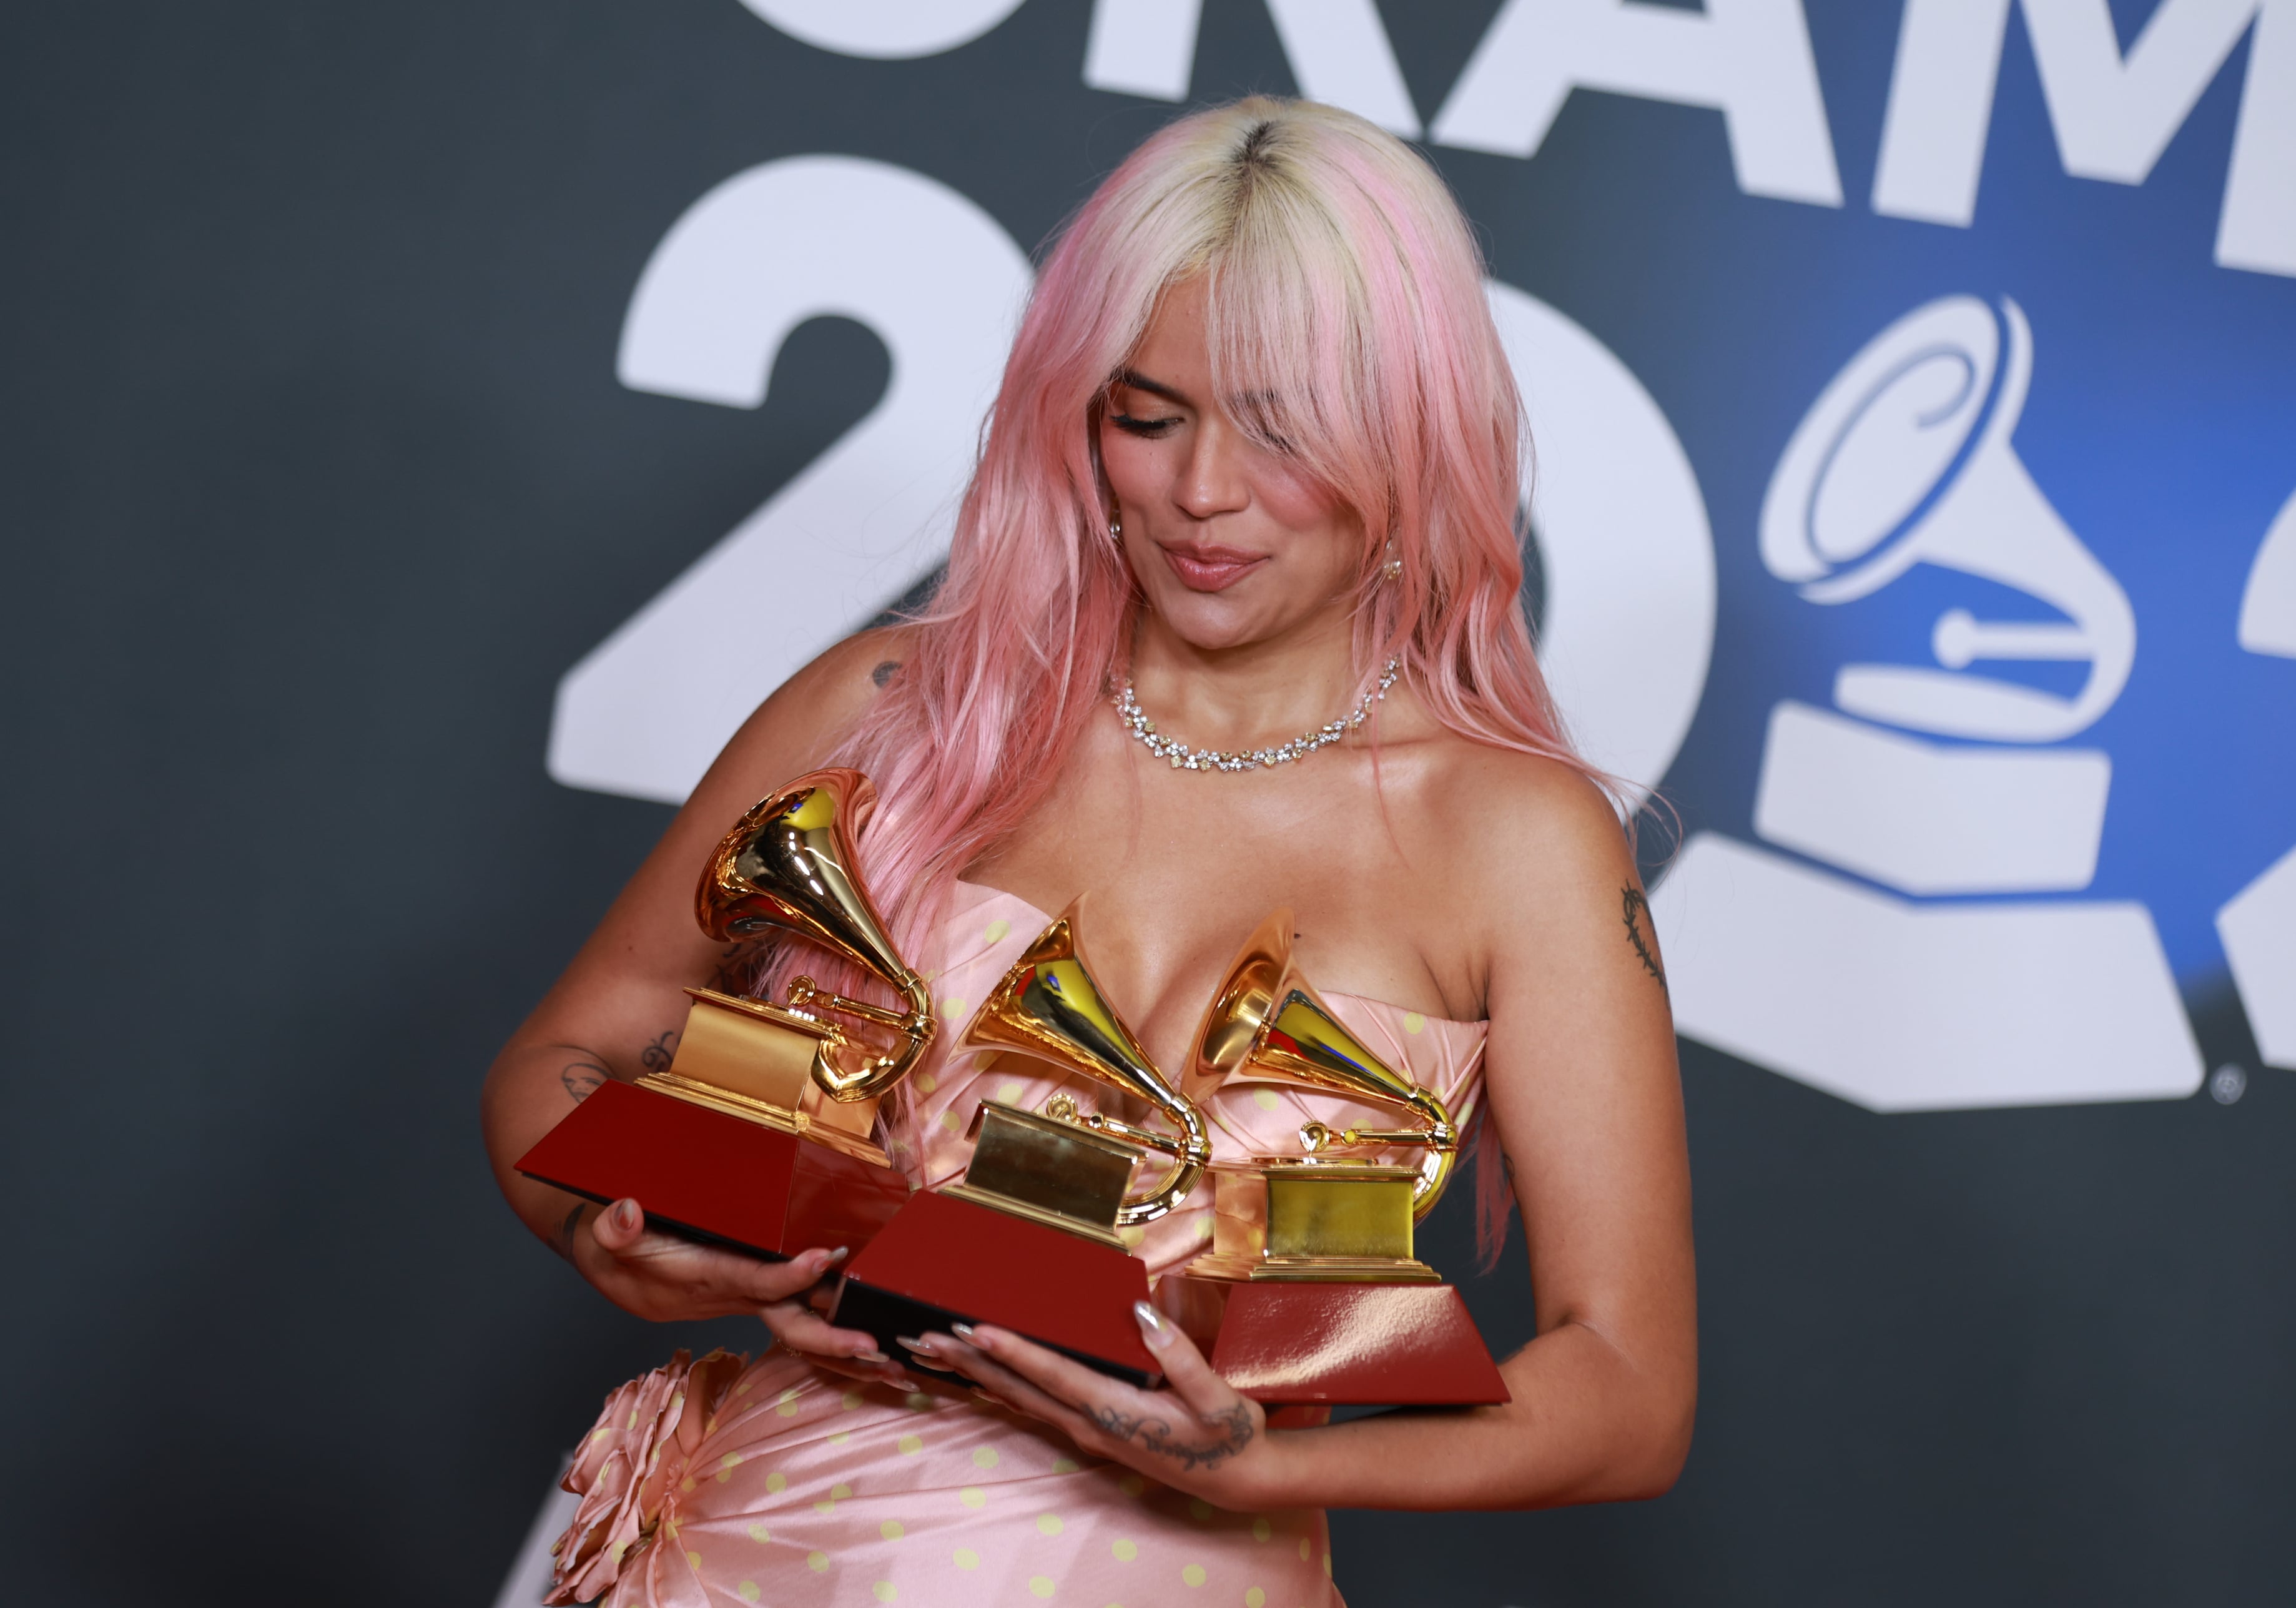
1638,915
1155,1435
581,1077
657,1056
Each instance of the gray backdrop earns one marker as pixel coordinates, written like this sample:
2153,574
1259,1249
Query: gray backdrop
317,476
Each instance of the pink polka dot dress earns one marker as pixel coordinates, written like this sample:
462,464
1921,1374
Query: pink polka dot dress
732,1480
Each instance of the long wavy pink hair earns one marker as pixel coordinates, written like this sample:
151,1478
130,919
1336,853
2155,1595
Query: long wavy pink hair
1349,328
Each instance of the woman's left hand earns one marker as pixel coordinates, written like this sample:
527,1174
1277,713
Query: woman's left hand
1197,1435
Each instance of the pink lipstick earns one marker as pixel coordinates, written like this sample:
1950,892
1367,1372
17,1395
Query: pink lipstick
1210,569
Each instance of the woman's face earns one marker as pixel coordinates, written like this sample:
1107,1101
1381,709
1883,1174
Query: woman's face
1232,544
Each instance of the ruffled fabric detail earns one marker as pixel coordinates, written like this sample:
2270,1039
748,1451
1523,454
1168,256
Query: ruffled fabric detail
637,1450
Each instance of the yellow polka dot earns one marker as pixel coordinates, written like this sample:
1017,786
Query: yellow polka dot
1132,1485
787,1407
851,1400
599,1435
829,1507
818,1561
1063,1466
984,1457
686,1483
1327,1563
619,1548
1126,1550
891,1530
997,929
953,1005
1255,1598
839,1492
1040,1586
949,1122
1193,1574
777,1483
1304,1549
1009,1090
1413,1022
884,1591
634,1418
761,1534
911,1445
693,1558
966,1558
926,1083
1261,1529
919,1402
1199,1509
747,1590
972,1496
1265,1099
742,1388
1048,1524
838,1438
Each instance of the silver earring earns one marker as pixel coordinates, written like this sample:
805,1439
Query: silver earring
1116,531
1393,567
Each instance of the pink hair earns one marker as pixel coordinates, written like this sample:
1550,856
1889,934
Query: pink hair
1348,325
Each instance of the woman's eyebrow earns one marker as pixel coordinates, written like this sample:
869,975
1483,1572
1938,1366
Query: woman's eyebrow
1137,380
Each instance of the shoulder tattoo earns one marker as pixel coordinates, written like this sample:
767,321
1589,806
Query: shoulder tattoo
885,671
1638,918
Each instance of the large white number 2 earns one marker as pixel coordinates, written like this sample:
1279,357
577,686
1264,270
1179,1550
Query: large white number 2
940,283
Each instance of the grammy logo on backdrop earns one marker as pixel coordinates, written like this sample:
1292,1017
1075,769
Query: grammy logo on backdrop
1940,780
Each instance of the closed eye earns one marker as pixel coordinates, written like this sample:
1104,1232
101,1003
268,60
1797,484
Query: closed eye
1134,426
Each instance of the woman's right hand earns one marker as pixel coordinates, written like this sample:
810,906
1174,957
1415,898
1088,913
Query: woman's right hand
666,1279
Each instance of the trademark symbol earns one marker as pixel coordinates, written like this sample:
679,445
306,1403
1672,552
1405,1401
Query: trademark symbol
2227,1083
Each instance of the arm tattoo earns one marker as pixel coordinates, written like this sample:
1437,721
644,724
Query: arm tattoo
565,1243
738,966
1155,1435
580,1077
1637,916
657,1056
885,672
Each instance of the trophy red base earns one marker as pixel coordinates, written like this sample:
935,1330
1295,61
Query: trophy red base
1342,1344
709,1176
945,1260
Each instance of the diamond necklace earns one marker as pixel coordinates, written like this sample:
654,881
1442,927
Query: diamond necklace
1183,758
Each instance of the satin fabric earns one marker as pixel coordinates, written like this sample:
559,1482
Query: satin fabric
728,1481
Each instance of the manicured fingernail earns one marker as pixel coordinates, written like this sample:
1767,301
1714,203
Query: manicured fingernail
837,1255
626,1214
1153,1329
871,1355
921,1344
964,1332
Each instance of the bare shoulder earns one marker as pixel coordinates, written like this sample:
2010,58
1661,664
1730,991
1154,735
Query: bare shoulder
801,724
1531,823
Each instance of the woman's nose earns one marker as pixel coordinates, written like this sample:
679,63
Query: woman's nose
1213,476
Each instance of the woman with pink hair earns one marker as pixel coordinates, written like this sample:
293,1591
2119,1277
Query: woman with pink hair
1251,476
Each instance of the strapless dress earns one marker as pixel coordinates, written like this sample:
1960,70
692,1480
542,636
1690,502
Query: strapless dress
731,1479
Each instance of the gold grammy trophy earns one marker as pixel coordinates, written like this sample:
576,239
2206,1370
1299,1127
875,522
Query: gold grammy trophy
1312,1280
762,1140
1032,1239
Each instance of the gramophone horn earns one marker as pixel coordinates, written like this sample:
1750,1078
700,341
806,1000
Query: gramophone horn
788,864
1049,1006
1266,1025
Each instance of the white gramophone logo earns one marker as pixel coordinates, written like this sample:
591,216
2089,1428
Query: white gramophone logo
1937,1001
